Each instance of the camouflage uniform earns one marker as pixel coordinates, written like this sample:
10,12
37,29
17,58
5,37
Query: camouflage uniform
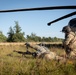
42,51
70,37
69,41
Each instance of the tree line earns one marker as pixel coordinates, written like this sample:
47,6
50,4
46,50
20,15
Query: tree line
15,34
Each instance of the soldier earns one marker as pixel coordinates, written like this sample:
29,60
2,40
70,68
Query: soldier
43,52
69,42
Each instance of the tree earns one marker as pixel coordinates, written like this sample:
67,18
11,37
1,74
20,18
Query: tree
15,34
17,28
33,37
18,36
2,37
10,35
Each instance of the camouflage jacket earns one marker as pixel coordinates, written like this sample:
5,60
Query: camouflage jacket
40,49
70,40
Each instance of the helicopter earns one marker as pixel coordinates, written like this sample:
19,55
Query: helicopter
45,8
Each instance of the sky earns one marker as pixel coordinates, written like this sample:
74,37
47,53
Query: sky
35,21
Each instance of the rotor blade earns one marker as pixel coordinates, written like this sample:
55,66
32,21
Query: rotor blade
40,8
63,17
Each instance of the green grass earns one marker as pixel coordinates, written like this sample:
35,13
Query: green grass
12,63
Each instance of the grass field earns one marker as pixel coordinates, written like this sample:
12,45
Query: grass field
12,63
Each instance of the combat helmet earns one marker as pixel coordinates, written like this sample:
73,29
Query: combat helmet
66,29
72,24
